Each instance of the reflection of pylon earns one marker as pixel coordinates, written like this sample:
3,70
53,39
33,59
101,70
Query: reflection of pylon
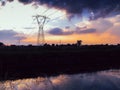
41,21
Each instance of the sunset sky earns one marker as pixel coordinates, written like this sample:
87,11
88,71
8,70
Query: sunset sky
92,21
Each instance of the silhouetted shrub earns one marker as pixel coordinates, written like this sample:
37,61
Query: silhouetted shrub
2,44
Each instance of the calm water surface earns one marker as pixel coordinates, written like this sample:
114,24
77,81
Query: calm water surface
104,80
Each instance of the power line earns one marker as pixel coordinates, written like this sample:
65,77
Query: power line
57,18
53,13
45,11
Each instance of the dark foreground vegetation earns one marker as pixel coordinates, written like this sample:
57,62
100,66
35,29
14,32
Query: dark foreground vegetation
32,61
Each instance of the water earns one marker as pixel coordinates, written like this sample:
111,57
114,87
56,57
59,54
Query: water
104,80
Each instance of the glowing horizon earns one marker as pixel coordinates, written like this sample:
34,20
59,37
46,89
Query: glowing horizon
16,23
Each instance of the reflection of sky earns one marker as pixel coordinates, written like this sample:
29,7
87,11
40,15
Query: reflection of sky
105,80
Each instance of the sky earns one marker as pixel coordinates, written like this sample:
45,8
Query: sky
92,21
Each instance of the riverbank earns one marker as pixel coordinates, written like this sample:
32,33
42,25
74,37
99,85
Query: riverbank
32,61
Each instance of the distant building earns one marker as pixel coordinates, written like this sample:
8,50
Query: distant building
79,42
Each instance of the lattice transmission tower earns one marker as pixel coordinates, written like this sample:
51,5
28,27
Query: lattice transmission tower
41,20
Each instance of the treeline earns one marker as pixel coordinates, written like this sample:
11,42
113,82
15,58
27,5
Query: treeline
33,61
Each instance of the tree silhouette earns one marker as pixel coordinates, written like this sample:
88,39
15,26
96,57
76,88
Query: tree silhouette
2,44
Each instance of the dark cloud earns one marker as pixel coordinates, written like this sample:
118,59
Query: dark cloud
3,2
7,34
67,27
58,31
27,1
100,8
10,35
86,31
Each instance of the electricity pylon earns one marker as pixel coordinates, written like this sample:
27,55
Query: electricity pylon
41,20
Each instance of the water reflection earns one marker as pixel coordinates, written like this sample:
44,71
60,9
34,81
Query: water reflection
105,80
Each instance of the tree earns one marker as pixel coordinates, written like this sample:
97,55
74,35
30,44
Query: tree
2,44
